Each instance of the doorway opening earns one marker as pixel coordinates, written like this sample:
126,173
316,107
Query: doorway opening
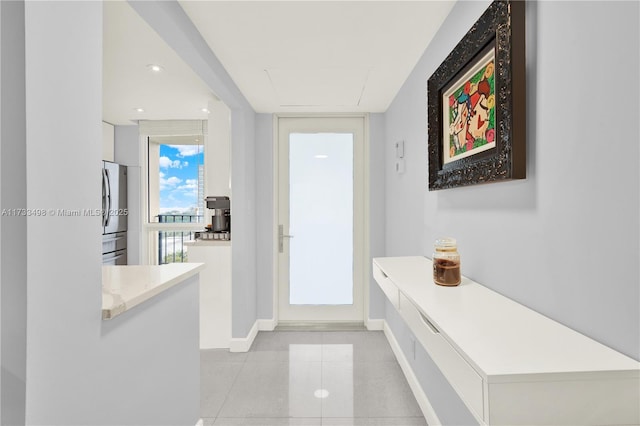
321,226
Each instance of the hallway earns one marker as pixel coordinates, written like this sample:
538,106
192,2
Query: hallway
307,378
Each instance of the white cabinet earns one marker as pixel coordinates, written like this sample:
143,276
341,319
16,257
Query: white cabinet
388,287
108,142
463,378
215,291
509,364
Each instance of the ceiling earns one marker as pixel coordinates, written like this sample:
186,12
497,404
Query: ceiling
129,46
284,56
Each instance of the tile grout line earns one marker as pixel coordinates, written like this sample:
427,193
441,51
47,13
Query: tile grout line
226,396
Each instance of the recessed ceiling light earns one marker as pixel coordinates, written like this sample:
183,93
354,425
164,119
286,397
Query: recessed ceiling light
321,393
154,68
321,156
205,110
139,109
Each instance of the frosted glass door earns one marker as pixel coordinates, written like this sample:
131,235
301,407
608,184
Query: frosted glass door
320,225
321,219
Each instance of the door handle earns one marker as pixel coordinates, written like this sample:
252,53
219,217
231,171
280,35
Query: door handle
104,197
108,212
281,237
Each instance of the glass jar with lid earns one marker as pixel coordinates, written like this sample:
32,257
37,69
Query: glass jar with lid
446,262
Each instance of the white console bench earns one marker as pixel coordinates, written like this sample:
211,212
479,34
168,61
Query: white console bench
509,364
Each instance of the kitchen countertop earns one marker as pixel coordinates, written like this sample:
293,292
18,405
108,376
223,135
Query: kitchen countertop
126,286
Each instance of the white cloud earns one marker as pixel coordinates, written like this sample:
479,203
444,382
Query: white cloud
190,188
166,162
187,150
189,184
169,183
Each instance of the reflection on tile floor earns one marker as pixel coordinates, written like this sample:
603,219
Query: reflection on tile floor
307,378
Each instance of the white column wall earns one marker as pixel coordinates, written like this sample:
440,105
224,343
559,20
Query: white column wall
82,370
13,228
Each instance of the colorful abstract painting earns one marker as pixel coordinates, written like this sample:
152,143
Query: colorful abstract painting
469,112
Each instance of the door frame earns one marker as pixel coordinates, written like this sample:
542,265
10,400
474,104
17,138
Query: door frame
364,265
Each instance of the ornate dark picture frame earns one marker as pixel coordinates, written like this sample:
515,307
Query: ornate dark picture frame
500,29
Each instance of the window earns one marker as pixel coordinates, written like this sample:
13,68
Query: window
175,193
184,161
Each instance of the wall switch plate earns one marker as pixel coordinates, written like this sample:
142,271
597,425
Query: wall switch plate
400,166
400,149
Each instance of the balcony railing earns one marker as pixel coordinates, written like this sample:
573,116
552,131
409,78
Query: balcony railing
171,243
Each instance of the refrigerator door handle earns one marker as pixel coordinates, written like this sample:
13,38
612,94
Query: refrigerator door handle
108,211
104,197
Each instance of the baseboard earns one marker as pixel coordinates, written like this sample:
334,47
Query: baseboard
267,324
320,326
243,344
374,324
427,409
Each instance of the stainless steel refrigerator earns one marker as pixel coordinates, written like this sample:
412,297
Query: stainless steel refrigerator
114,214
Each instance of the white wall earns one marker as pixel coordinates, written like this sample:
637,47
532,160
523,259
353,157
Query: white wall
169,20
13,247
218,152
243,222
565,240
108,141
264,216
81,370
377,144
127,152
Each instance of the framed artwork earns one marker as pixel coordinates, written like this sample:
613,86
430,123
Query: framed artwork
476,103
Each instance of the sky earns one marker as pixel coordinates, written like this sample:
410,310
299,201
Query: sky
179,177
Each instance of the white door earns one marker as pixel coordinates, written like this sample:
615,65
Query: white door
321,219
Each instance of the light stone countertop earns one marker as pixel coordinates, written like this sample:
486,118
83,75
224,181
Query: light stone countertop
126,286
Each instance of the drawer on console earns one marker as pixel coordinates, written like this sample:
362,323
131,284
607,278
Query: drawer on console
387,286
463,378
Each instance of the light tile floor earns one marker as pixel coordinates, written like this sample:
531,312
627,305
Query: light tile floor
307,379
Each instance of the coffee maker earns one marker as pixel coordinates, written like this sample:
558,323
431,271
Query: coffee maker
220,218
